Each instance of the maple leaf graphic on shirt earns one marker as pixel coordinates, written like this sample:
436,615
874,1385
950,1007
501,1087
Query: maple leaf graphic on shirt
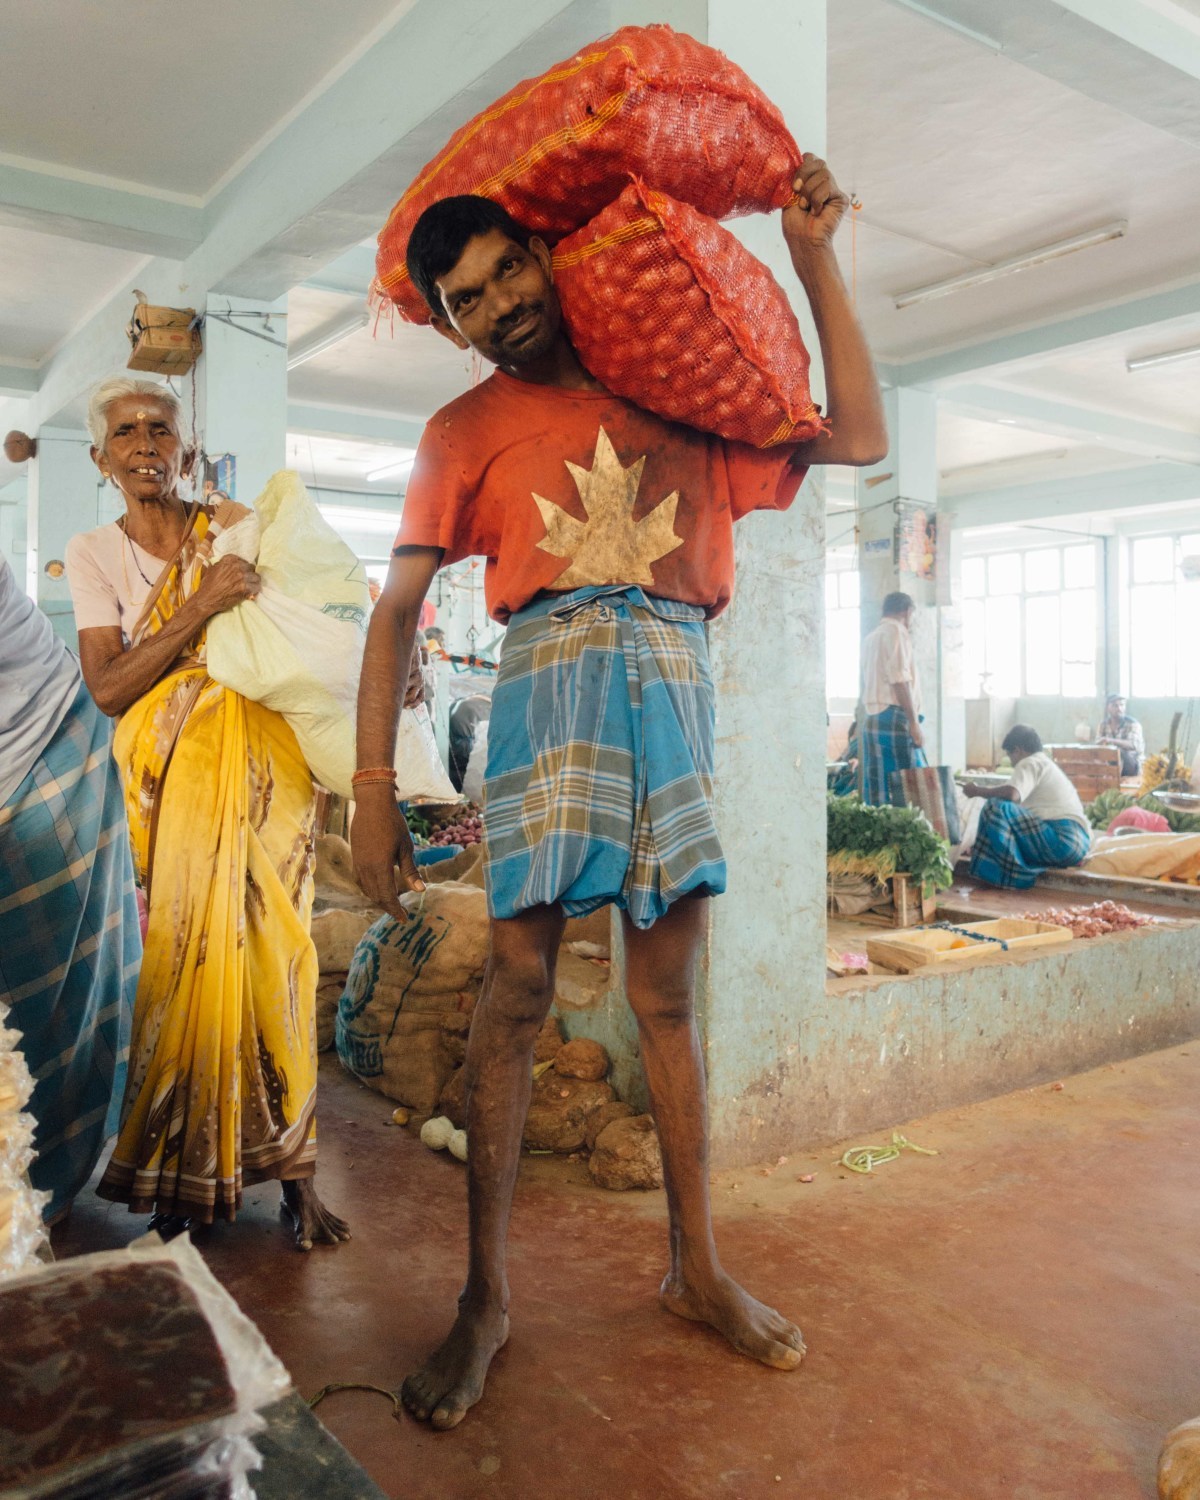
610,546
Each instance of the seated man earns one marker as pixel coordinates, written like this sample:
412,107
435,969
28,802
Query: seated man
1119,730
1035,823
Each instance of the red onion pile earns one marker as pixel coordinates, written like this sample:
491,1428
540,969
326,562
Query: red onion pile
1091,921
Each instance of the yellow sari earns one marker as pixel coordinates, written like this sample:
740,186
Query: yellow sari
223,1061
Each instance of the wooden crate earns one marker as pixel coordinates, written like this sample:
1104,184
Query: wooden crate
945,947
1091,769
911,907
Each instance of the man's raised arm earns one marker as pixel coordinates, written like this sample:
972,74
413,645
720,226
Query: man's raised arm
858,429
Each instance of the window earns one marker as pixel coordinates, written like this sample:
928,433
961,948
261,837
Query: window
1029,622
842,630
1164,617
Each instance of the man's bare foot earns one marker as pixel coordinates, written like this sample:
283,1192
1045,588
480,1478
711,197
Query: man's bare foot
313,1222
751,1327
451,1381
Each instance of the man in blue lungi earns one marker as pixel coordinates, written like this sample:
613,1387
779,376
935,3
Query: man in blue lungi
70,947
609,539
891,738
1034,823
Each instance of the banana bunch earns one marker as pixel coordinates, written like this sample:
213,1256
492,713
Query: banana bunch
1154,773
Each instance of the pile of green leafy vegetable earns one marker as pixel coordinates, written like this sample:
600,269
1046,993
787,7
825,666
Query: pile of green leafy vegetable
1108,804
879,841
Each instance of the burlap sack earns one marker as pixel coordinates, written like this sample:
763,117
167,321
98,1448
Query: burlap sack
336,934
409,994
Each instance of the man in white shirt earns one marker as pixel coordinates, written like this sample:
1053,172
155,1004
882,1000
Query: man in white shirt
892,738
1034,823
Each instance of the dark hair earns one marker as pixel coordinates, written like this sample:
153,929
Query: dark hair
898,604
1021,737
443,232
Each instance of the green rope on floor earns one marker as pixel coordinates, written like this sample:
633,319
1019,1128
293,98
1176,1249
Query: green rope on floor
352,1385
867,1158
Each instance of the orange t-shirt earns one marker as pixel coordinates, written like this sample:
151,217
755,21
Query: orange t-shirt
563,489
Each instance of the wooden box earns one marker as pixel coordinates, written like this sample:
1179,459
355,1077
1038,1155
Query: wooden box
911,906
959,947
163,339
1091,769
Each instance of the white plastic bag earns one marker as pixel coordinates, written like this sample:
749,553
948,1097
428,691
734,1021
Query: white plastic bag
297,647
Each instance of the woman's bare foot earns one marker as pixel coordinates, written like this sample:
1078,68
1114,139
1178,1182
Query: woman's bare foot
452,1379
313,1222
751,1327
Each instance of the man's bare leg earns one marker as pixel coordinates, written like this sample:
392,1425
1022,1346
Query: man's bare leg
660,979
517,990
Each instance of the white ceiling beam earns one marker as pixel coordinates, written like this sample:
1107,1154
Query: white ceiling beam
350,275
97,213
1035,413
1139,56
344,422
17,379
328,180
1155,484
1155,313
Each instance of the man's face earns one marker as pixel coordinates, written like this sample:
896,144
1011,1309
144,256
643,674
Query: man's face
500,300
1116,708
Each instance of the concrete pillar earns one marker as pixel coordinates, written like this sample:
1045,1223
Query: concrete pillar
241,388
903,485
65,495
764,967
13,502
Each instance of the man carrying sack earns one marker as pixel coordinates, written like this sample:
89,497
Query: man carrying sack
609,539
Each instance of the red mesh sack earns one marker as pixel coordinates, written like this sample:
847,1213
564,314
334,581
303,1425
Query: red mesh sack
647,102
672,312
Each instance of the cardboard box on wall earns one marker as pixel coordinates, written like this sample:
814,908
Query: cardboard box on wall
163,339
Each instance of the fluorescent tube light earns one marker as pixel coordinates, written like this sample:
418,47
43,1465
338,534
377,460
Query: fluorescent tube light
1167,357
1016,263
395,467
326,338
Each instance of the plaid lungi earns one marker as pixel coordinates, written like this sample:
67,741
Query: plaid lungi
1014,846
70,947
599,781
886,747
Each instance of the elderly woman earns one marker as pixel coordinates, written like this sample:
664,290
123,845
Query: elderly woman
223,1064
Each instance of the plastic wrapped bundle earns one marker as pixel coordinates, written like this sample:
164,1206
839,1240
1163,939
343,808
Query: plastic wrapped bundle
129,1373
671,311
647,102
22,1235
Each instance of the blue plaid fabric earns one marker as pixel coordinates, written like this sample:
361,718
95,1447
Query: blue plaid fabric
599,781
1014,846
886,747
70,947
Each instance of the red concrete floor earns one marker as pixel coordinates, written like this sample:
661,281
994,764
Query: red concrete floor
1015,1317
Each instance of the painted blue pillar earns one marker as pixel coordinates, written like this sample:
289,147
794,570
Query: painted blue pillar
65,495
241,387
903,488
764,969
13,503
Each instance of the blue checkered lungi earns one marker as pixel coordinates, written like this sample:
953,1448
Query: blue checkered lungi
70,946
1014,846
886,747
599,781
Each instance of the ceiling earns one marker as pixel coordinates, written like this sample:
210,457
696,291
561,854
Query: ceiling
959,154
167,97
